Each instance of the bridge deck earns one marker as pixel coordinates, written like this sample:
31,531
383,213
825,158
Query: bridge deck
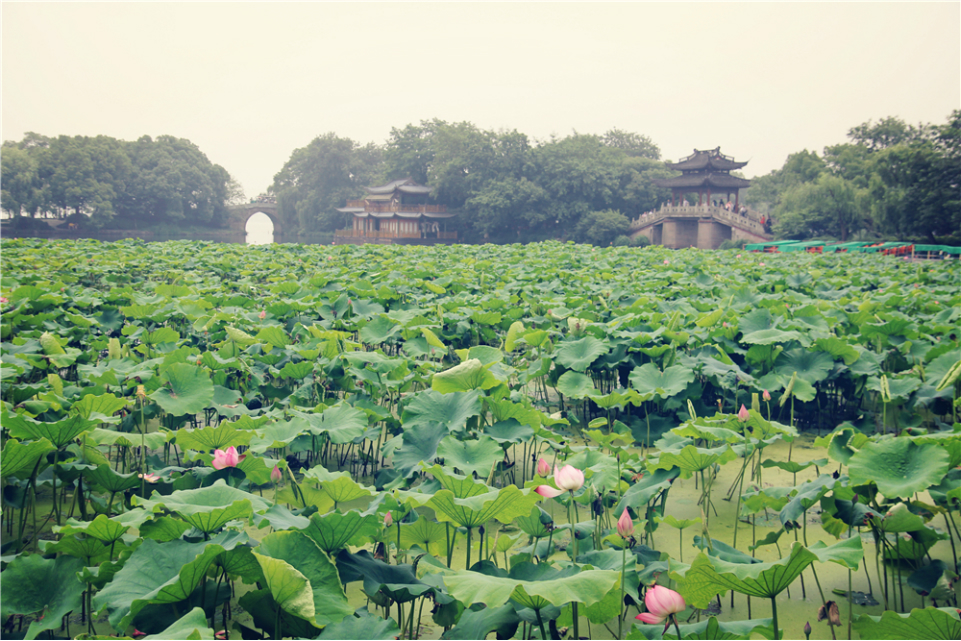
703,226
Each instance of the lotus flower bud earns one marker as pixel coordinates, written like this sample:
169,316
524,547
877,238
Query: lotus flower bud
766,395
742,414
275,474
228,458
263,314
661,603
625,526
543,468
807,630
388,520
569,478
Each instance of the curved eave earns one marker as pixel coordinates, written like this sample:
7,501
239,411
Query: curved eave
722,181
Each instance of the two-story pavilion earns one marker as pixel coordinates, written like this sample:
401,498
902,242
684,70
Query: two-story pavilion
705,172
397,212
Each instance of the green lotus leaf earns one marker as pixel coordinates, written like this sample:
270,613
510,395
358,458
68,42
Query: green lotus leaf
649,380
380,330
769,336
838,349
272,336
59,433
812,367
462,487
898,466
649,486
192,625
677,523
298,370
162,335
339,486
207,508
160,573
587,587
900,519
847,553
793,466
451,410
576,385
423,532
341,423
103,528
329,601
707,577
578,355
504,505
105,405
110,480
152,440
509,431
187,390
935,579
334,531
204,439
166,528
469,375
290,589
18,457
278,434
693,459
419,446
48,587
709,629
470,456
397,582
929,623
366,628
514,332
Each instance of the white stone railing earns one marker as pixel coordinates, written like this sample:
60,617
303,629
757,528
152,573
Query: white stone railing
751,222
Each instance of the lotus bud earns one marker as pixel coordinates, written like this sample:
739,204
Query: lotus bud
766,395
807,630
661,603
742,414
543,468
667,262
625,526
388,520
141,391
263,314
275,474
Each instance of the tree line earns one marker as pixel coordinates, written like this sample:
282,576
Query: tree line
890,179
104,182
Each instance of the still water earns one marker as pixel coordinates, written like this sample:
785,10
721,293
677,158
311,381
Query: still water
260,230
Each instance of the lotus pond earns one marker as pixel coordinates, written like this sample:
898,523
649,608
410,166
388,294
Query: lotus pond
378,442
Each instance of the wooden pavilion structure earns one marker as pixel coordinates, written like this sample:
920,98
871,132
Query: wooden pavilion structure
705,172
397,212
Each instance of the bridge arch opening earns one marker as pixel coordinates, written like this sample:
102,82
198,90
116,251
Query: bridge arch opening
260,229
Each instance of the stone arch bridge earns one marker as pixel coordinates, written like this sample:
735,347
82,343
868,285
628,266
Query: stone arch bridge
702,226
238,215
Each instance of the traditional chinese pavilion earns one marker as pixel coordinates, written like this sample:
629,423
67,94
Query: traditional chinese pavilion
396,212
705,172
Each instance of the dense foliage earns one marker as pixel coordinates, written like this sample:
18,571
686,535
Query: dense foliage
891,179
103,181
315,441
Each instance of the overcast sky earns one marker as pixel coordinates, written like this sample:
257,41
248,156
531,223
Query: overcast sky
249,83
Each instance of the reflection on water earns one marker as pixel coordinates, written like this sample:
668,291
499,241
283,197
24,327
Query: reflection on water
260,230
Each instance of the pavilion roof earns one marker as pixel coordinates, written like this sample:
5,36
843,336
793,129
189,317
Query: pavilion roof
706,159
403,185
707,179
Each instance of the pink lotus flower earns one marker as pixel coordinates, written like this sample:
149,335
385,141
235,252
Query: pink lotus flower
742,414
543,468
766,395
4,299
738,255
263,314
149,478
625,526
223,459
761,264
388,520
667,262
567,479
275,474
661,603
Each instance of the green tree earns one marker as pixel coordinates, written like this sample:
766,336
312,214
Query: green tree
633,144
829,206
321,177
766,191
20,188
602,227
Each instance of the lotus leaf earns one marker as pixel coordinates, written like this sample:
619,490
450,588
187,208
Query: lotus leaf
929,623
34,585
187,390
898,466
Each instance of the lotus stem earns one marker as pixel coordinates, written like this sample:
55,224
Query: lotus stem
773,616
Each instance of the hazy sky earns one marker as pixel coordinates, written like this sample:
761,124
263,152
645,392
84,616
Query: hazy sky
249,83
